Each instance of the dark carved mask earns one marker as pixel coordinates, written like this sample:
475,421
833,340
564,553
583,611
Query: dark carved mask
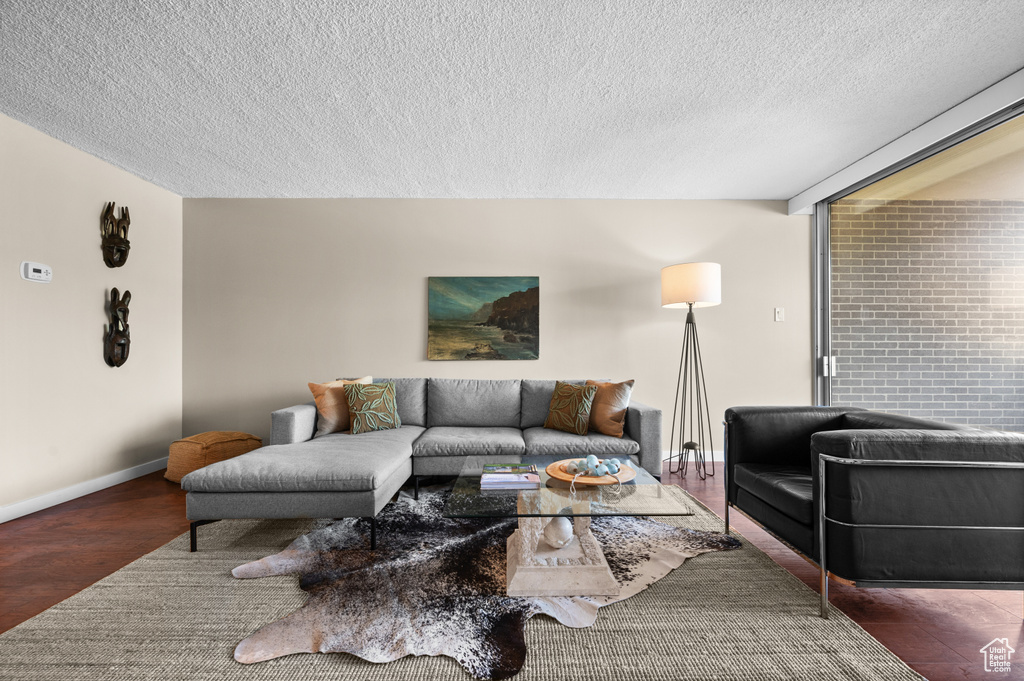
115,235
118,340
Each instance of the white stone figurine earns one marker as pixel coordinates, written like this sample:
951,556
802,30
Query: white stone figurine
558,533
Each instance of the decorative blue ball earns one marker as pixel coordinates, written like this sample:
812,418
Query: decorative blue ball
571,468
613,468
601,469
592,472
592,460
612,461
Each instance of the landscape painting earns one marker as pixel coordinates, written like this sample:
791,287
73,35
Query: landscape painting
483,317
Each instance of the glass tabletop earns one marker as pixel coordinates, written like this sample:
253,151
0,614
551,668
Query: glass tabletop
643,495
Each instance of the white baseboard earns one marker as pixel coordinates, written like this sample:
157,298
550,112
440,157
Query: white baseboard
716,455
43,501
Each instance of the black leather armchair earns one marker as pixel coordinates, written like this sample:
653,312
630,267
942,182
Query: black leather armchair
897,501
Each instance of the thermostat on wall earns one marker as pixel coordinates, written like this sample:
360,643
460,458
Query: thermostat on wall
34,271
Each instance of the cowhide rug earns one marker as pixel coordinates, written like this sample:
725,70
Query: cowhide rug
436,586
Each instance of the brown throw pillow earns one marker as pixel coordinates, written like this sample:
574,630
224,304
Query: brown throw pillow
608,413
570,407
372,407
332,406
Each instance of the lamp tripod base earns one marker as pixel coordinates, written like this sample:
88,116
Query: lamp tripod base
690,410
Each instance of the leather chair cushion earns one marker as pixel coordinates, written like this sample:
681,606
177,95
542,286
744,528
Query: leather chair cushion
786,488
801,537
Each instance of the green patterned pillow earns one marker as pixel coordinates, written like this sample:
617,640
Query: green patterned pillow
372,407
570,407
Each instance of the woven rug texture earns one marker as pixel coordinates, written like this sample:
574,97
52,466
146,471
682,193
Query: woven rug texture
178,615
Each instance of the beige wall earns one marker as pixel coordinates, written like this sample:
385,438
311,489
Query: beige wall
65,416
280,292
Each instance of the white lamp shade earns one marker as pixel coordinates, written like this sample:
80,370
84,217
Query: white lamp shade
691,283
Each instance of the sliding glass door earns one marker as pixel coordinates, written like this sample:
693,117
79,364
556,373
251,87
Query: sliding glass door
921,287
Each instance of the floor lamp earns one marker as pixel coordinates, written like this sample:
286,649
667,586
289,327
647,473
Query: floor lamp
690,285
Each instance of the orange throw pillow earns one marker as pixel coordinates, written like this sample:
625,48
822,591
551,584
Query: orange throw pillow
331,405
608,413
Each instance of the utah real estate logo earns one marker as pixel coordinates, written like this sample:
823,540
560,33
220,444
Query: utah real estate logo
997,655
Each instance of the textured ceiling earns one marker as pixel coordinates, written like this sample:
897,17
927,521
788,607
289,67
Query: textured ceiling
700,99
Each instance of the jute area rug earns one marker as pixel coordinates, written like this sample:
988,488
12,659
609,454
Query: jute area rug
177,615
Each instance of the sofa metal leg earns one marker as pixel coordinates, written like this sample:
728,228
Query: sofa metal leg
373,533
727,516
416,487
192,532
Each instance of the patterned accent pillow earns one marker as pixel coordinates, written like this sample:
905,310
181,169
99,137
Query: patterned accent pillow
570,407
372,407
608,412
331,405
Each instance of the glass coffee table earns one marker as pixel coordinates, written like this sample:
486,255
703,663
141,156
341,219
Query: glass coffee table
554,553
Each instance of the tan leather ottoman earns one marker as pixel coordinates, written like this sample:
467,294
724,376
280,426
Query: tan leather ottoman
200,450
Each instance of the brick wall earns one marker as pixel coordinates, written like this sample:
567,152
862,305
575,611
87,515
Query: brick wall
928,309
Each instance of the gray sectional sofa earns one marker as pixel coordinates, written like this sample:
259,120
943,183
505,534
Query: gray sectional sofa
443,421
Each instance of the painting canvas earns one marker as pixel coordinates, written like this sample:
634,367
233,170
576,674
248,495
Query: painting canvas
483,317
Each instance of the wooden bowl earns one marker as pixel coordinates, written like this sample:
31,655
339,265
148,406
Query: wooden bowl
557,471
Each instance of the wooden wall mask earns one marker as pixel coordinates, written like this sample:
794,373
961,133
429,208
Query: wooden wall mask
115,235
118,341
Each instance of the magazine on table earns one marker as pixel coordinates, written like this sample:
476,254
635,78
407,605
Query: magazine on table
510,481
516,468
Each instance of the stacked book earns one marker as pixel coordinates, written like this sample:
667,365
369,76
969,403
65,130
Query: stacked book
510,476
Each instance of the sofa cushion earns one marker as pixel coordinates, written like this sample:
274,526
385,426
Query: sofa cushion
473,403
332,463
547,442
787,488
450,466
537,399
466,441
411,397
797,534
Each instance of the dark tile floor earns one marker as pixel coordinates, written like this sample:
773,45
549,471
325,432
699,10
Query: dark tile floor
50,555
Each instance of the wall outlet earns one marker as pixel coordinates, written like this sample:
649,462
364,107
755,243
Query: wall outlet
780,314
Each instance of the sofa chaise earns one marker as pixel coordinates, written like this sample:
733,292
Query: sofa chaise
443,421
895,501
